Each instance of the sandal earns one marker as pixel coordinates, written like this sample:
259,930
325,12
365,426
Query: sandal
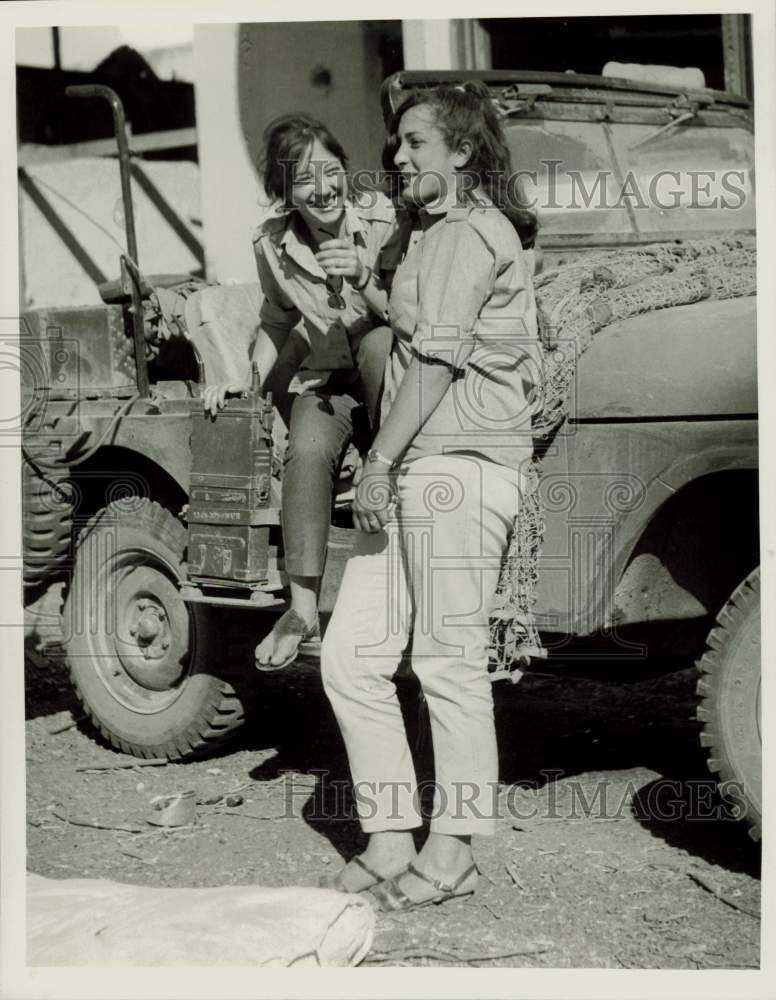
391,899
335,881
292,623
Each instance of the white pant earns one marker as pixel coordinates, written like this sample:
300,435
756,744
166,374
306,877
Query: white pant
429,578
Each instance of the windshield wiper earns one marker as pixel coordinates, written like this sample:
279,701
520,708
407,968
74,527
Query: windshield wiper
683,111
520,97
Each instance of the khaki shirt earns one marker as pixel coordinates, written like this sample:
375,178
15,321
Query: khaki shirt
462,295
294,285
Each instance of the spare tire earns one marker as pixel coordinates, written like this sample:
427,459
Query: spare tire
729,708
151,670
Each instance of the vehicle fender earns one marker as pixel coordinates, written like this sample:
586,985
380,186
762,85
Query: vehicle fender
163,440
601,493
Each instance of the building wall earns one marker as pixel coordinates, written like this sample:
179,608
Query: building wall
84,195
248,74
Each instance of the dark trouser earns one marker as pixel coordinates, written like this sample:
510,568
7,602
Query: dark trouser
321,427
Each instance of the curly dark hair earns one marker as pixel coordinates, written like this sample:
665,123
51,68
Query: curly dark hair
466,112
286,140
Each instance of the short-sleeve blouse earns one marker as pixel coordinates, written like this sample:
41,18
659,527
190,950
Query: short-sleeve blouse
463,296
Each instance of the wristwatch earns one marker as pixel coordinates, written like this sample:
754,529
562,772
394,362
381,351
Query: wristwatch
373,455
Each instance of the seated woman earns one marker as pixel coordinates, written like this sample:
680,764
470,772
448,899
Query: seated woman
317,258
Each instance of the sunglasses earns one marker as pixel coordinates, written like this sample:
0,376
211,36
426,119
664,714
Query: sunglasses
334,288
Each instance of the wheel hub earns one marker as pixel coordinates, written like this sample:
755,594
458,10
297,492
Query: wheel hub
150,626
152,634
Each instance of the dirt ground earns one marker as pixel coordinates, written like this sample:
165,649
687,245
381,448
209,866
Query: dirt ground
651,874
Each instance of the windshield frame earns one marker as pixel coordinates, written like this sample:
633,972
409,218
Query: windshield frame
607,115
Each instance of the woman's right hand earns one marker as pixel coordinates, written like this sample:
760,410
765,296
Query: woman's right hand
375,498
214,396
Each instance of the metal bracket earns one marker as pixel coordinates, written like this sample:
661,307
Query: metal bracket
193,594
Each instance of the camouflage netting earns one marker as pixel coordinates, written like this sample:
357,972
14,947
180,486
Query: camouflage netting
574,302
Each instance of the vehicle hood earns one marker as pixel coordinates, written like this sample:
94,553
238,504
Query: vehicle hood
696,360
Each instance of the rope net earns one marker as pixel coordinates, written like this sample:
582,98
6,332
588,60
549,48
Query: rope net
574,302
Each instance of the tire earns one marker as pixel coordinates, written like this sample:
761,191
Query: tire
140,658
47,521
729,708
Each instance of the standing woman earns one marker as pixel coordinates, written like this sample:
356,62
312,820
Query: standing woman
317,262
447,459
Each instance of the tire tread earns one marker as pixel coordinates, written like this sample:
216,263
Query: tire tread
222,714
709,684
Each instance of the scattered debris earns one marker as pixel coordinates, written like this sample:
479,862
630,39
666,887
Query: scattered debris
125,764
662,918
397,955
173,810
96,824
245,815
593,916
512,872
709,886
138,857
64,726
485,906
233,801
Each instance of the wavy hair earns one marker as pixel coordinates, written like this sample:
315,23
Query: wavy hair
466,112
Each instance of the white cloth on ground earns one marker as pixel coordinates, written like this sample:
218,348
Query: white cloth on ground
101,922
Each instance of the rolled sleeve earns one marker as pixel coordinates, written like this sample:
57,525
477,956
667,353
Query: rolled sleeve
454,282
278,314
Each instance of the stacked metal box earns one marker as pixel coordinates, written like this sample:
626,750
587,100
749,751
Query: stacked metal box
229,513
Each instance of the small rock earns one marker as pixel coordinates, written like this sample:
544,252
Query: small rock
234,800
139,786
214,770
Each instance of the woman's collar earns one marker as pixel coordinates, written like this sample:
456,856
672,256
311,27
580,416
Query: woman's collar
456,206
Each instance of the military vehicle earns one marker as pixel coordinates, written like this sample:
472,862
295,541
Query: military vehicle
160,521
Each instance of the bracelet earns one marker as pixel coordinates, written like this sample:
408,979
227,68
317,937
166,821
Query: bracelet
365,282
373,455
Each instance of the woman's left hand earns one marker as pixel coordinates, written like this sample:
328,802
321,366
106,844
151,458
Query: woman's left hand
375,499
341,257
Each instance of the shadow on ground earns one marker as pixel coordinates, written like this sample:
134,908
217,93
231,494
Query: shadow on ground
550,729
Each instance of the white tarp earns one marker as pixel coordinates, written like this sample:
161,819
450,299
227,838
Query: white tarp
100,922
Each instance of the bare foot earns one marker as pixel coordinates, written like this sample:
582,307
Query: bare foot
279,647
